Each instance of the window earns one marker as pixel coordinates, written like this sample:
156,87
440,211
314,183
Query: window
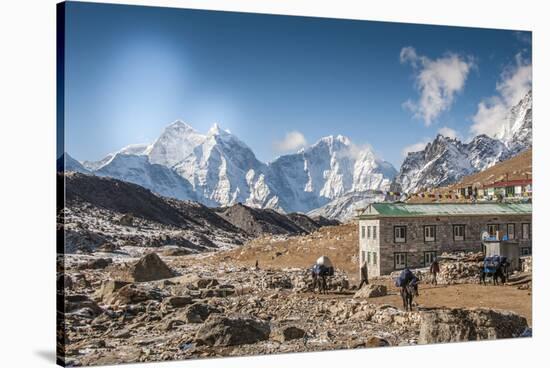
458,232
492,229
368,257
400,234
429,257
400,260
362,257
368,232
511,231
526,231
525,251
429,233
509,191
362,232
374,258
374,232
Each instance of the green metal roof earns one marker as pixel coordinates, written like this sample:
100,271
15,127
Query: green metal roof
444,209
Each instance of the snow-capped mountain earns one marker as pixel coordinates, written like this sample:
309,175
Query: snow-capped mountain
343,208
327,170
176,142
138,170
445,160
66,163
517,132
218,169
132,149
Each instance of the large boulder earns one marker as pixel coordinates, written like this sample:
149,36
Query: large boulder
150,268
220,330
108,289
371,291
82,305
453,325
197,313
135,293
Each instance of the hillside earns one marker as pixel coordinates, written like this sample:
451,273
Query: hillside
518,167
339,243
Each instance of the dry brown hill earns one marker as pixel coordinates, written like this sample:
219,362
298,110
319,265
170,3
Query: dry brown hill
339,243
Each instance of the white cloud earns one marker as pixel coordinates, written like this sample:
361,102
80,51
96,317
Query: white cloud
448,132
415,147
292,141
438,82
515,81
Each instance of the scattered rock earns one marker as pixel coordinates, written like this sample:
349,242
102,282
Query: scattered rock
205,283
82,305
95,264
453,325
177,301
197,313
126,220
375,342
132,294
107,248
371,291
149,268
221,330
108,289
288,333
175,252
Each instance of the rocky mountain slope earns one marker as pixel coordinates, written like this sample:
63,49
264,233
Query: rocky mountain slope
101,211
445,160
257,222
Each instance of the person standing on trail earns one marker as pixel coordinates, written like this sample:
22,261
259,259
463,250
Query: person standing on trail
434,270
364,274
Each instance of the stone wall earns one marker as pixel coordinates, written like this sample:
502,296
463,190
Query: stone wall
415,246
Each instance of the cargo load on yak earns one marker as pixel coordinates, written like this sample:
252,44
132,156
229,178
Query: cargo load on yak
492,263
405,277
324,266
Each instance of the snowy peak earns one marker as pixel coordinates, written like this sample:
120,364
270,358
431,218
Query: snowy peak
218,169
175,143
445,160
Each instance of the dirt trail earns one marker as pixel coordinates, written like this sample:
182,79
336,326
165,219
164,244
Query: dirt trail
465,296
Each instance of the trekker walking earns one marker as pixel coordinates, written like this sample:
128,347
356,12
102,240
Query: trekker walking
434,270
364,274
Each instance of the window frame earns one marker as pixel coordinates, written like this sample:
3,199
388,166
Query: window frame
368,231
363,231
513,231
434,234
528,233
374,258
433,252
395,255
404,227
496,231
374,232
463,227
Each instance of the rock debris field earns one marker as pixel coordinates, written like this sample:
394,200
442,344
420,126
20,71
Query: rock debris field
140,304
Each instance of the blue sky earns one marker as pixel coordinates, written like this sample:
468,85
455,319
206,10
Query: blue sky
280,82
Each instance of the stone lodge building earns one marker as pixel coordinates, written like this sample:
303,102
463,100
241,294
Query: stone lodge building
393,236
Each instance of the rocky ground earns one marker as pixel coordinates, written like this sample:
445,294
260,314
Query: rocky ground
148,304
162,279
